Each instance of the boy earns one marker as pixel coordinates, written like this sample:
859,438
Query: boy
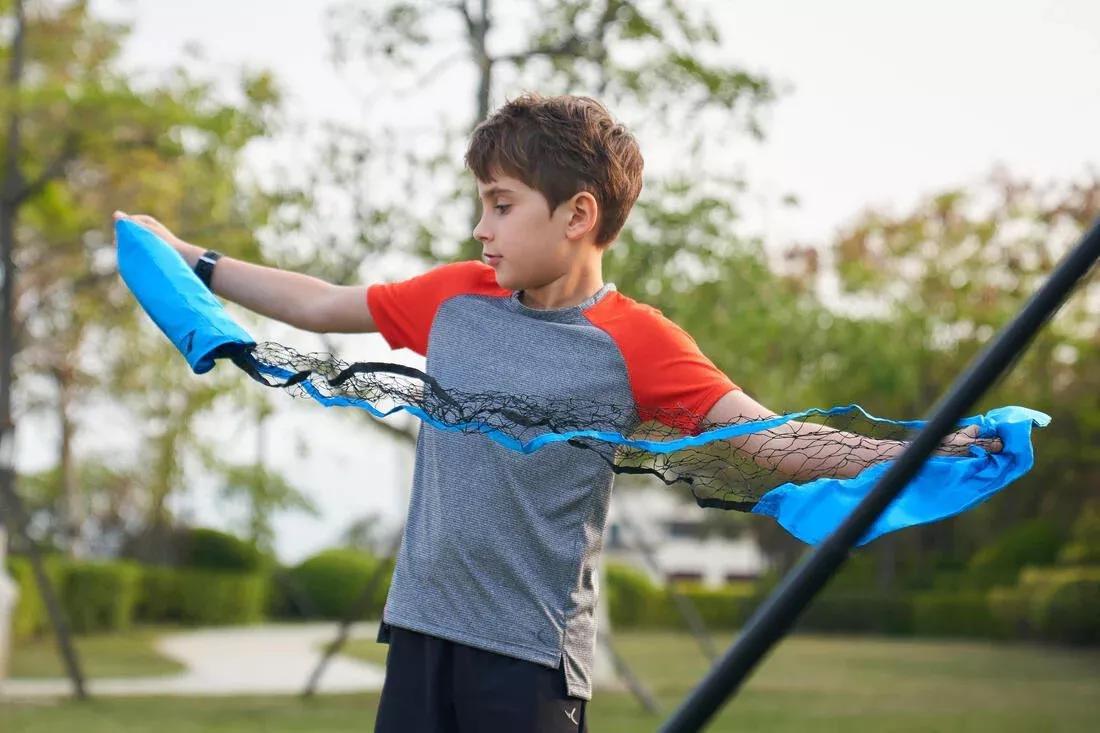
491,612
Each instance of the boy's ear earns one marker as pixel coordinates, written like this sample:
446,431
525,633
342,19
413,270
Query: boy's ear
584,213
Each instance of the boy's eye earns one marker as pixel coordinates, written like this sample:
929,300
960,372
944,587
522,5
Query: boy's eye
502,208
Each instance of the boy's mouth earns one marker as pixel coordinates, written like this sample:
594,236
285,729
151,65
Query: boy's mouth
491,259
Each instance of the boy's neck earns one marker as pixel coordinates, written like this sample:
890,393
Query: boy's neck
569,290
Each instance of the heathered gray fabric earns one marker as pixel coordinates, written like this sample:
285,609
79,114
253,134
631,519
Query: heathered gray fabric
500,549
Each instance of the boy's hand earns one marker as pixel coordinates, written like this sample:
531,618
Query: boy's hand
958,443
187,251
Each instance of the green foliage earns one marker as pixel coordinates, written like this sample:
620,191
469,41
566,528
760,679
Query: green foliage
849,605
1031,543
29,614
333,580
111,596
1070,612
1083,547
264,492
1009,606
636,602
859,611
965,614
725,608
158,599
212,549
201,597
630,593
944,277
96,138
1051,603
99,596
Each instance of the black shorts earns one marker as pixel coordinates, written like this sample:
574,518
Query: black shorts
438,686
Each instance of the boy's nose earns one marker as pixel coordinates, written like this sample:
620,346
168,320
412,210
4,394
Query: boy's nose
481,234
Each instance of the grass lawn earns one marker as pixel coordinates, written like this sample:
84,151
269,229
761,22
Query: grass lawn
129,654
810,683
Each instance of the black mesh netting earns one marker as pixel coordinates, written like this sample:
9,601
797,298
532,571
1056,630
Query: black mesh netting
725,472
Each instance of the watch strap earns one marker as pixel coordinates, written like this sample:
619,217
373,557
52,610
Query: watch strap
204,268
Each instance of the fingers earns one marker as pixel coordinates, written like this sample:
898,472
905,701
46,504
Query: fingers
147,221
143,219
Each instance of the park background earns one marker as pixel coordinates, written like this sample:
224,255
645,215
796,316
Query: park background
843,203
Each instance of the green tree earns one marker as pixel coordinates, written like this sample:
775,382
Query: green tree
934,285
262,490
648,61
95,141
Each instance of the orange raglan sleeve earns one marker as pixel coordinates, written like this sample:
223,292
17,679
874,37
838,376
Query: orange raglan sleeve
403,311
670,377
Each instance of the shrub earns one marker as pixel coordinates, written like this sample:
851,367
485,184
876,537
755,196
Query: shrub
1084,545
94,596
1011,612
630,595
1051,603
201,597
859,611
214,550
211,598
99,596
29,614
728,607
1032,543
1063,603
333,581
954,614
1070,612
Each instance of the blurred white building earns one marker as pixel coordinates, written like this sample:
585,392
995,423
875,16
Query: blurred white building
683,545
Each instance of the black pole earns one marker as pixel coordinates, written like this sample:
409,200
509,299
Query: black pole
779,612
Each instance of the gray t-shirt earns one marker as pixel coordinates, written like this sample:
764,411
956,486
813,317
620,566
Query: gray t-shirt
500,549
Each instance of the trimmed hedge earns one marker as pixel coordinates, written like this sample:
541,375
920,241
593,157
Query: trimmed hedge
1084,545
29,614
1036,542
630,595
1071,612
636,602
99,596
1059,604
333,581
211,549
95,596
859,612
964,614
201,597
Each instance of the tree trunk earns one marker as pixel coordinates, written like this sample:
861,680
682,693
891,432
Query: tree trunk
72,514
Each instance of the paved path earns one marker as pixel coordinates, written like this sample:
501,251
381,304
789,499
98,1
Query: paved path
260,660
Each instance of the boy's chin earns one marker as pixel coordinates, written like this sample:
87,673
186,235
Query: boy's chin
504,281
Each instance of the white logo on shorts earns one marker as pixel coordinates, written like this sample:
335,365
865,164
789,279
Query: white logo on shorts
570,715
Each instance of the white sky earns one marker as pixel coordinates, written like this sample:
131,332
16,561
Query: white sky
889,101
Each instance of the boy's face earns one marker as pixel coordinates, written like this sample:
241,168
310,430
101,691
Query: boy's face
521,239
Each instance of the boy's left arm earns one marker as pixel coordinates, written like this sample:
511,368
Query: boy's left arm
804,451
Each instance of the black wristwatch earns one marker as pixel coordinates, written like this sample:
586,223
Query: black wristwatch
204,268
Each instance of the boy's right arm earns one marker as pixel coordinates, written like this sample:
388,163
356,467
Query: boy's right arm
299,300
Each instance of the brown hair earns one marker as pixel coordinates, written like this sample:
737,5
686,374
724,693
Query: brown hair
561,146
